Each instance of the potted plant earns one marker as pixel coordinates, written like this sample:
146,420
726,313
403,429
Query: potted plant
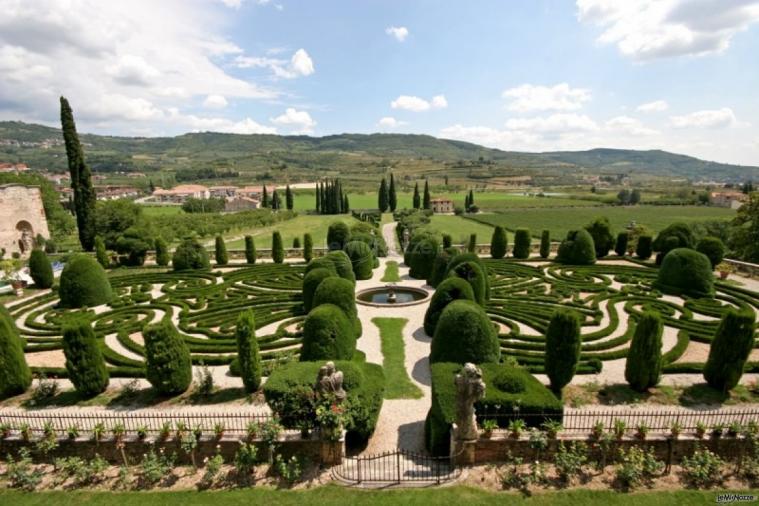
734,429
329,418
700,430
10,267
552,427
641,431
218,430
675,429
717,429
488,426
516,427
597,430
619,428
725,269
5,430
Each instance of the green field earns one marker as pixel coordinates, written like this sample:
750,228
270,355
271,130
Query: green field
161,210
459,229
560,221
316,225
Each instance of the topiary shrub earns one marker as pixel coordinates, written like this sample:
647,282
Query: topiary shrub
577,249
308,247
620,247
310,283
420,254
439,269
190,255
338,236
328,334
220,251
730,348
472,247
644,359
321,263
522,243
340,292
296,242
133,246
101,255
676,235
603,240
510,380
250,250
545,244
168,366
15,376
562,351
84,360
473,274
451,289
447,241
162,256
277,248
289,391
40,269
361,257
713,248
686,271
83,283
644,248
498,243
342,264
460,258
249,360
464,333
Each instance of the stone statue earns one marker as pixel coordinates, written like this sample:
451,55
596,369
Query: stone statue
330,382
469,389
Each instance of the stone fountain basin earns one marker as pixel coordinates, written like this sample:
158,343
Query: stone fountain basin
405,296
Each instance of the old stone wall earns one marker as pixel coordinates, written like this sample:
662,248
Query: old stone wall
22,217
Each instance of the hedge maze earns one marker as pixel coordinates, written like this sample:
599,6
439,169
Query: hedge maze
523,297
204,305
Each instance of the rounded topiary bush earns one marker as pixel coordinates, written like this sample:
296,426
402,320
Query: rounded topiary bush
686,271
15,376
250,250
101,255
644,248
277,248
311,282
308,247
420,255
450,289
340,292
620,247
545,244
577,249
522,243
84,283
562,348
321,263
473,274
328,334
361,258
461,258
162,256
338,235
498,243
510,381
342,264
713,248
40,269
168,366
730,348
463,334
220,251
190,254
248,357
676,235
439,268
84,359
603,240
644,360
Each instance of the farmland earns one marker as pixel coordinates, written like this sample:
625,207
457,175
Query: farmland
316,225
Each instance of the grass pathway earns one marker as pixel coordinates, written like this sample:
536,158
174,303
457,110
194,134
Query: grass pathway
393,351
391,272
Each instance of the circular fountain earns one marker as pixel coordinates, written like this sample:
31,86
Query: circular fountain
391,295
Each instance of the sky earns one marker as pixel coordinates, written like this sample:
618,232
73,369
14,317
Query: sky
522,75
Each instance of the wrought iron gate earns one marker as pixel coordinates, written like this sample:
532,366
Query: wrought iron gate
397,467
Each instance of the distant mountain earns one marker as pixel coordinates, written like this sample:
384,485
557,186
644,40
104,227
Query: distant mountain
42,146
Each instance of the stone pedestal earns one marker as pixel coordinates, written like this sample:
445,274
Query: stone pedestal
463,451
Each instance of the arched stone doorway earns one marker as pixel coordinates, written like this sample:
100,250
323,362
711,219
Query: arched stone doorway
26,236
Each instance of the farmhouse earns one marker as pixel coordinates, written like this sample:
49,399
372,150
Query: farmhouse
441,205
181,193
733,200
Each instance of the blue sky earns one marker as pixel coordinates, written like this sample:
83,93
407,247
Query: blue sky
531,75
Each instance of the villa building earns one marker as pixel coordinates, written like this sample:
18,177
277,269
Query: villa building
441,206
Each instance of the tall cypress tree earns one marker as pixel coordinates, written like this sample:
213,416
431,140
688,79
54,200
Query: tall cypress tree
265,198
85,198
392,197
15,376
426,200
84,360
471,198
417,199
288,198
383,196
275,200
346,204
247,351
318,198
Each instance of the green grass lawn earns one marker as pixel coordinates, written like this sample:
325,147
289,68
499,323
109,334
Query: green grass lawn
335,496
399,385
150,211
459,229
560,221
316,225
391,272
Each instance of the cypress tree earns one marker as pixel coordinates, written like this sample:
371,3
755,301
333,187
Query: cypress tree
392,197
221,251
277,249
247,351
81,179
265,198
730,348
426,199
644,248
545,244
382,200
471,199
318,198
40,269
346,204
100,253
84,359
472,243
168,365
288,198
275,202
498,243
250,250
644,361
447,241
325,209
562,351
466,202
15,376
417,202
620,247
522,243
296,242
162,256
308,248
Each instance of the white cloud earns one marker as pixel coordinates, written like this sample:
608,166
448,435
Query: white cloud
399,32
629,126
655,106
300,121
133,70
561,97
416,104
651,29
555,123
215,102
716,118
390,122
299,65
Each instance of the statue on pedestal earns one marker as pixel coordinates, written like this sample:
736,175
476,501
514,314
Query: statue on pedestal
329,383
469,389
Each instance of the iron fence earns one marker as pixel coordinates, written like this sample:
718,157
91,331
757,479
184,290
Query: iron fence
397,466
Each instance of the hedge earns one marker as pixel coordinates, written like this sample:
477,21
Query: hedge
449,290
562,348
328,334
730,349
340,292
220,251
686,271
545,244
311,282
289,391
249,360
361,257
250,250
101,255
338,236
577,249
644,358
420,255
464,333
277,248
308,247
470,257
439,269
644,248
499,399
342,264
15,376
620,247
321,263
676,235
162,256
167,359
713,248
190,255
84,360
473,273
603,240
522,243
40,269
83,283
498,243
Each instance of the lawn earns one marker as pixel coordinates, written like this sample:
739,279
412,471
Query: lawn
151,211
459,229
316,225
334,496
560,221
399,385
391,272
